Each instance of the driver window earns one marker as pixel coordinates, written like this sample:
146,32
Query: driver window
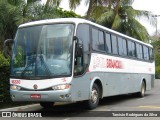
81,61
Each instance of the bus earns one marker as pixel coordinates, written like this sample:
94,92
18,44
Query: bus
72,59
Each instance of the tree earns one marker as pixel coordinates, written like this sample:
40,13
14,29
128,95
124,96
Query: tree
156,45
53,2
15,12
8,15
119,15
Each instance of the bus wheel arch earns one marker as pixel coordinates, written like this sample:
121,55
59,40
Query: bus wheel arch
143,86
99,84
144,80
95,94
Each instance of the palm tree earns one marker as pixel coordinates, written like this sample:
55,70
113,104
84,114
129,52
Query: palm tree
120,16
73,4
53,2
23,8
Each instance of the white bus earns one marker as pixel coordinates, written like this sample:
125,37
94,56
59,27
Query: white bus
72,59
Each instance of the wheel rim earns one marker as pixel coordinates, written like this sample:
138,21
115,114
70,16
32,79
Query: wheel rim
94,96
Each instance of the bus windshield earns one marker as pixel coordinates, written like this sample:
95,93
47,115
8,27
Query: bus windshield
42,51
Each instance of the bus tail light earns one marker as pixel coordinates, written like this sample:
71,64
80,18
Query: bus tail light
15,87
61,87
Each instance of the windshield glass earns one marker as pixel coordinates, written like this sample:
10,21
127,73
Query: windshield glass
42,51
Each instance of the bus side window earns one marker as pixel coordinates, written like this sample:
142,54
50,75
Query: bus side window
146,52
108,43
151,55
139,51
97,40
131,49
114,44
122,46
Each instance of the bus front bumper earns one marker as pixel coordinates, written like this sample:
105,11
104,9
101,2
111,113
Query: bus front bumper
41,96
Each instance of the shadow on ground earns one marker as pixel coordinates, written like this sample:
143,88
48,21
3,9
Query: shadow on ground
79,109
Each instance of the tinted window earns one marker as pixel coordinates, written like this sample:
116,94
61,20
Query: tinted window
151,54
122,46
114,44
81,61
97,40
83,34
108,43
131,49
145,53
101,41
139,51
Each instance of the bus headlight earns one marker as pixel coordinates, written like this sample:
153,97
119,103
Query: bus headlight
61,87
15,87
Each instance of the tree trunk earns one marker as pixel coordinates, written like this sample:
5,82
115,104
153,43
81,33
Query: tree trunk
47,3
117,7
89,9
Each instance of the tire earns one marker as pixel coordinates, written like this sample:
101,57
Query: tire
47,104
142,91
94,101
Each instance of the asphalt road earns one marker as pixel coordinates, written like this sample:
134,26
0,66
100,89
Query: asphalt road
108,107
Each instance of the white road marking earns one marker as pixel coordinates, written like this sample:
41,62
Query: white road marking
66,119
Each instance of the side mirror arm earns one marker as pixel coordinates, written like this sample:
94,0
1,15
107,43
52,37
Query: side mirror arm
75,38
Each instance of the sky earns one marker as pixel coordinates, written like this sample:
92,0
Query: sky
148,5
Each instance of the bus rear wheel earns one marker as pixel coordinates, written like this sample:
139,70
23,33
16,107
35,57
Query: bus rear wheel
142,91
94,100
47,104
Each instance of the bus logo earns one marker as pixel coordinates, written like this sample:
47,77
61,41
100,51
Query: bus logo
35,87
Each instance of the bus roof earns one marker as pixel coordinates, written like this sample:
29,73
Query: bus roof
77,21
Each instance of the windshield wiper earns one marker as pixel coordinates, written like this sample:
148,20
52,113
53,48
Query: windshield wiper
46,67
32,62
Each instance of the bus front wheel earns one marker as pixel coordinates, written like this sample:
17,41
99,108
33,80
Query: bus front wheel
94,100
47,104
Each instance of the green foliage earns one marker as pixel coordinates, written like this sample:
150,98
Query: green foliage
16,12
7,21
157,71
39,12
115,14
3,61
4,81
156,46
120,16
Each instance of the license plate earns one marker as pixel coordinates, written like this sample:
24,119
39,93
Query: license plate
35,96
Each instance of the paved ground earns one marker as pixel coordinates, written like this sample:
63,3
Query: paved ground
125,104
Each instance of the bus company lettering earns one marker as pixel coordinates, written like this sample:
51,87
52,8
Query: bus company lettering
114,64
99,62
16,82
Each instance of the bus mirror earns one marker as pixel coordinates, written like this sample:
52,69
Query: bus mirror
79,46
75,38
8,47
79,50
